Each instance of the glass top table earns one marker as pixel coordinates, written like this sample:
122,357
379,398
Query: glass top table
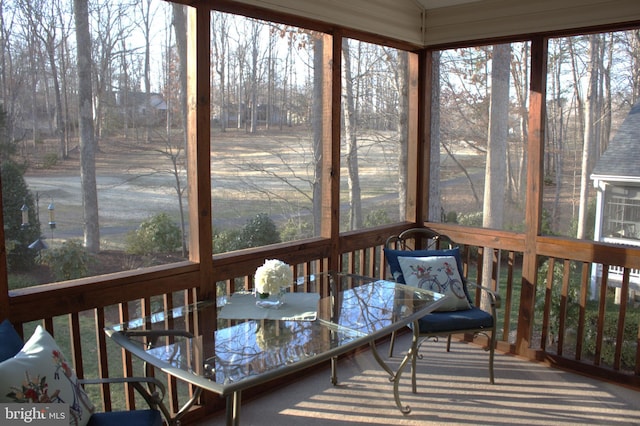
326,316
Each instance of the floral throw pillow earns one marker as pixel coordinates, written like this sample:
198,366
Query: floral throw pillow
439,274
40,373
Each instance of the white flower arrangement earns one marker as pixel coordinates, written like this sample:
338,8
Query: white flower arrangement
272,276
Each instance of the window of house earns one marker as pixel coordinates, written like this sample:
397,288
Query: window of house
622,213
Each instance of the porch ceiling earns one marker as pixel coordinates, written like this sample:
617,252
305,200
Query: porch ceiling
434,22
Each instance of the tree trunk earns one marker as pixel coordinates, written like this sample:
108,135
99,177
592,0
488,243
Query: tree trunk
403,131
91,227
316,122
180,26
435,204
589,123
496,166
348,112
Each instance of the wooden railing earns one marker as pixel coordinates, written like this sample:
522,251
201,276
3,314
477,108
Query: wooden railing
570,329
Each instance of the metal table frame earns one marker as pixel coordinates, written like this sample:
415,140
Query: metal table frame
128,336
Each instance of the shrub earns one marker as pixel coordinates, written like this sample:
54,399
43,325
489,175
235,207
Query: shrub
68,262
610,331
296,229
471,219
376,218
15,193
572,299
451,217
21,281
158,234
258,231
227,240
50,160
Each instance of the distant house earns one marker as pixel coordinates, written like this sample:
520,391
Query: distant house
137,105
242,112
616,178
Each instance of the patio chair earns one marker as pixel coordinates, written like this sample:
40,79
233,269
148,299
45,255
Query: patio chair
427,259
37,371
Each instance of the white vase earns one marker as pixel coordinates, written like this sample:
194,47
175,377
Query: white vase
272,301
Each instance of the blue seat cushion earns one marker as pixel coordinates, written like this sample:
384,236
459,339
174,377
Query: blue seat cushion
10,341
125,418
445,322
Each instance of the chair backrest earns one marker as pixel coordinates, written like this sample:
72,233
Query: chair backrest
426,239
419,239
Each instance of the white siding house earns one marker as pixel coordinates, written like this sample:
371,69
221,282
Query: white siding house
616,178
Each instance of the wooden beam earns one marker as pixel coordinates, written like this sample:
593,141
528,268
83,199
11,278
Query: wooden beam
199,146
535,173
331,218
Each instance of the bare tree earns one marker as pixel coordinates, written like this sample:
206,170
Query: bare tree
496,166
588,140
91,226
351,139
145,24
317,129
112,31
517,157
253,83
220,46
495,170
556,125
402,85
179,164
435,204
42,19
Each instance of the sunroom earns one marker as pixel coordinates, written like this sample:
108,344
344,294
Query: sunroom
310,132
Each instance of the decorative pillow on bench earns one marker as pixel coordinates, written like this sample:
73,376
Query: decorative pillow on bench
439,274
39,373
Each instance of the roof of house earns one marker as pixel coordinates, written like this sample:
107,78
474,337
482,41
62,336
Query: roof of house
621,160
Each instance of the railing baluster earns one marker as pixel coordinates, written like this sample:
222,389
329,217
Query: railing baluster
103,364
602,304
76,343
546,314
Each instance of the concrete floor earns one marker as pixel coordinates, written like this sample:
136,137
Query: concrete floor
453,388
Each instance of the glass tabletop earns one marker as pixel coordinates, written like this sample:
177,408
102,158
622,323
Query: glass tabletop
240,353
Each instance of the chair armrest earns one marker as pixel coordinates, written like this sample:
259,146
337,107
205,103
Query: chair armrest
494,297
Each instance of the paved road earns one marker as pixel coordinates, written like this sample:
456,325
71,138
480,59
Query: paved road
123,205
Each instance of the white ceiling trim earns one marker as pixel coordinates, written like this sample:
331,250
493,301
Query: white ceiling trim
436,4
435,22
396,19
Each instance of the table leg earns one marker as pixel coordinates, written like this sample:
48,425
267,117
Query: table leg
395,377
381,362
410,356
233,408
334,371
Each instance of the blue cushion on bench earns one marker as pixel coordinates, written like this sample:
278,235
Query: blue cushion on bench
441,322
122,418
10,341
